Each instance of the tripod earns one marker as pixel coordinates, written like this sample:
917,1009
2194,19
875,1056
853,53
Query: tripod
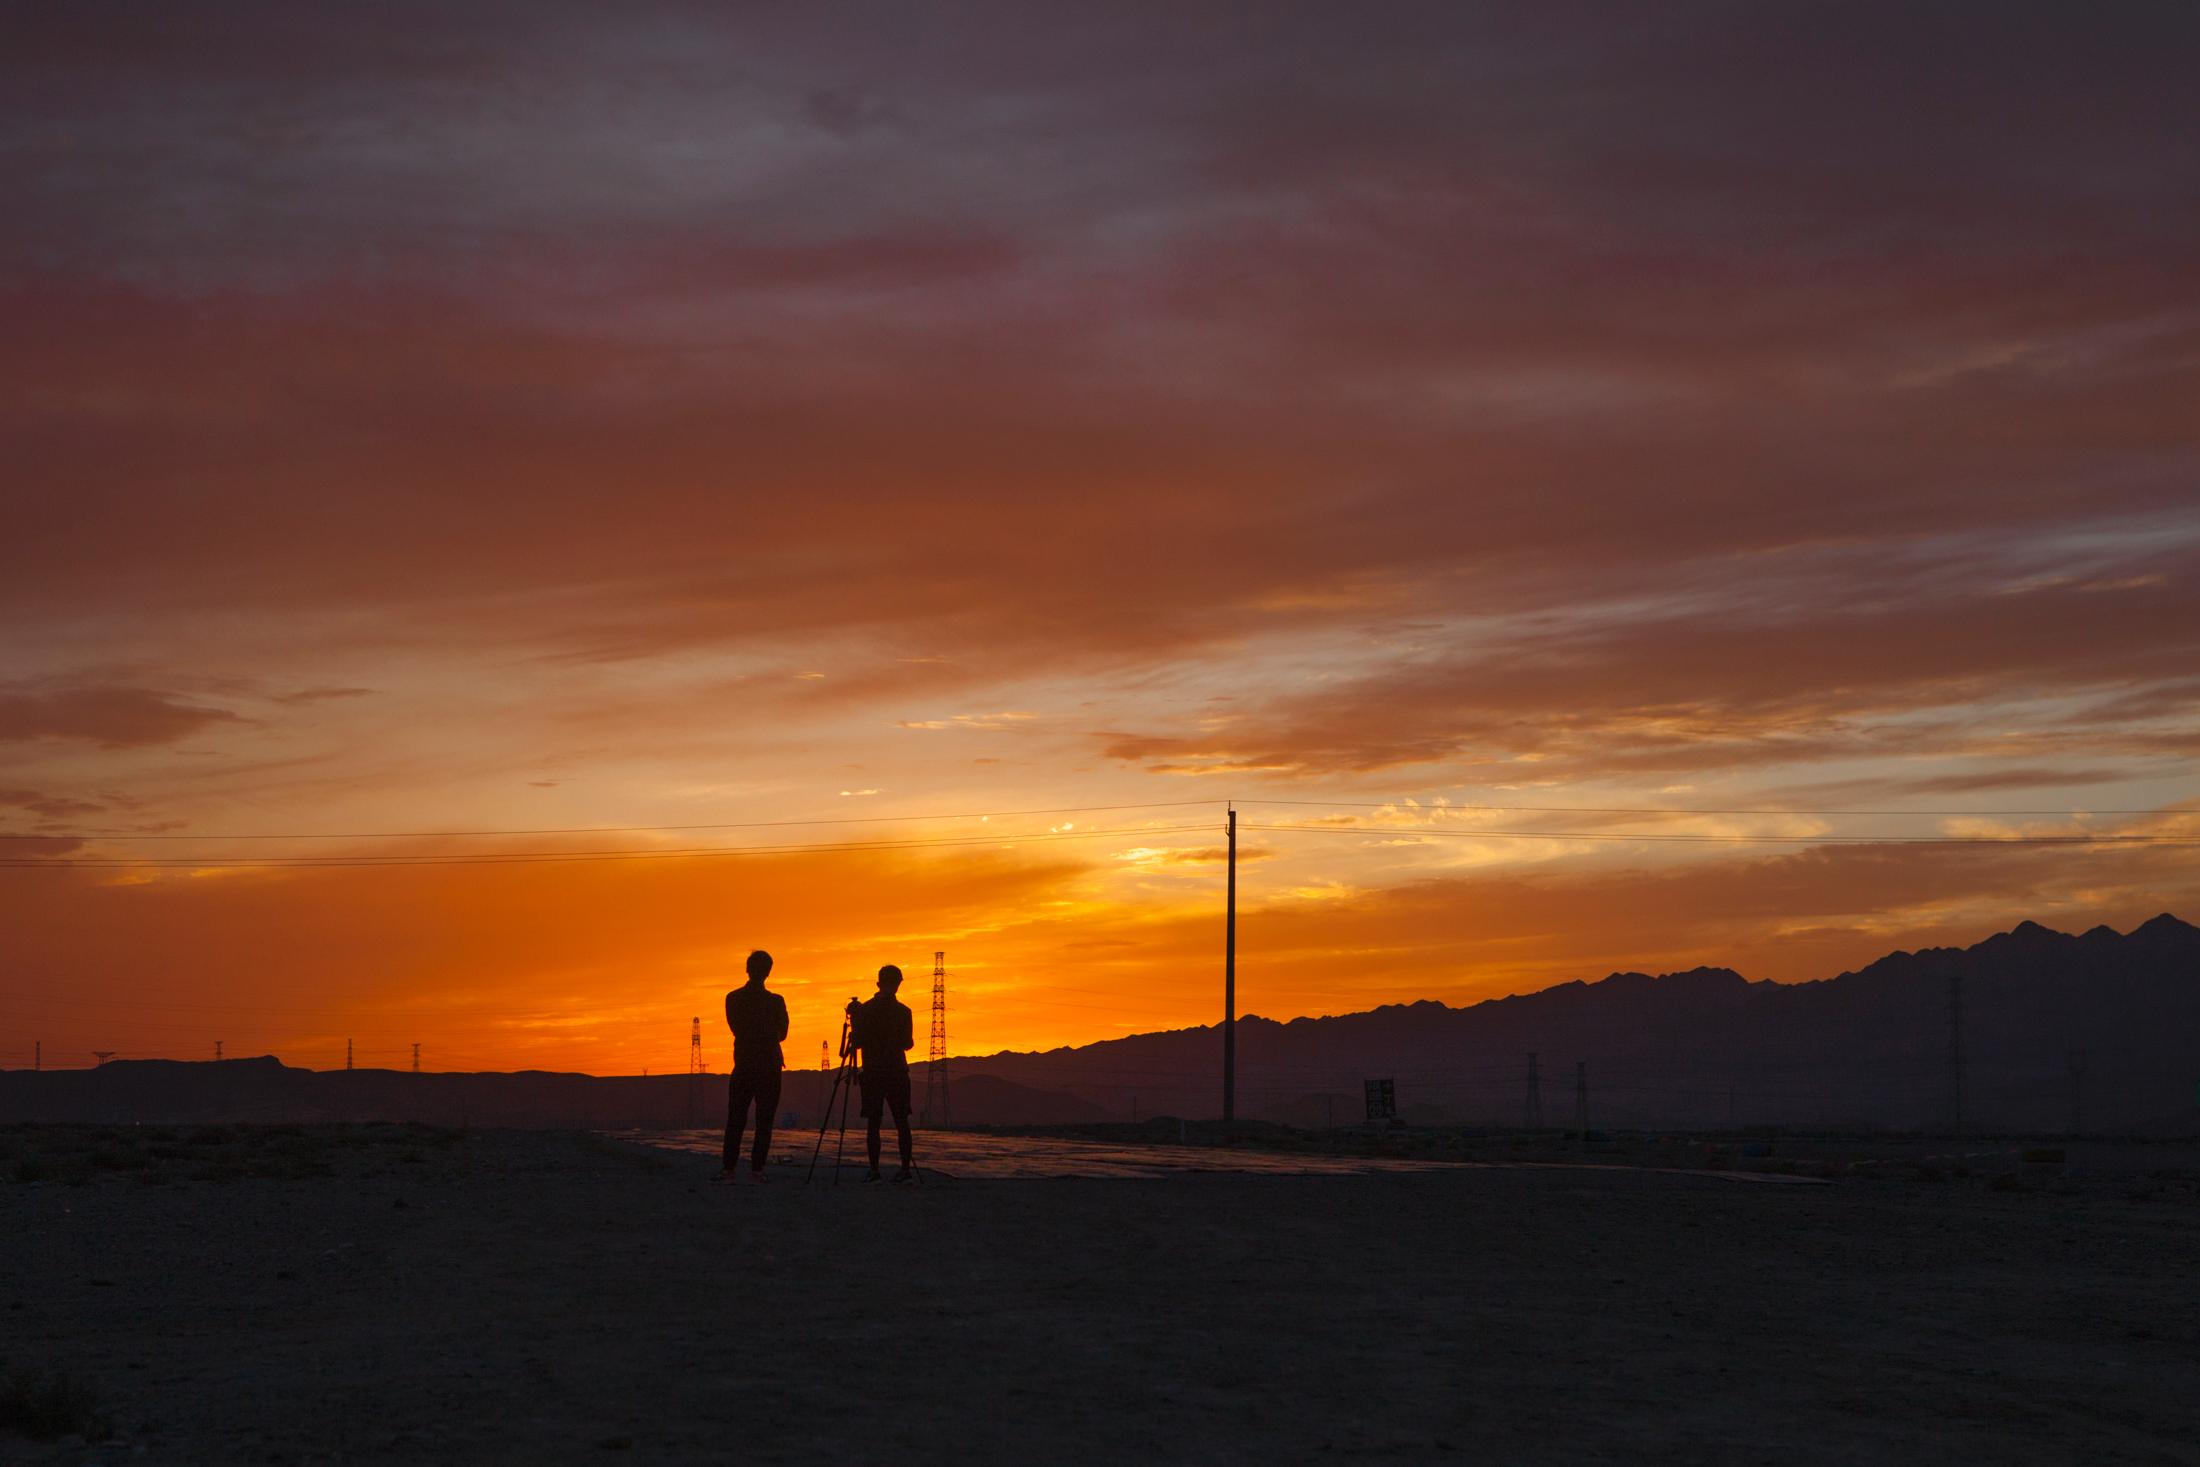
844,1084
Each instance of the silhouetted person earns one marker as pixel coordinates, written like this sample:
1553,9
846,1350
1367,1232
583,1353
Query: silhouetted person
885,1033
758,1018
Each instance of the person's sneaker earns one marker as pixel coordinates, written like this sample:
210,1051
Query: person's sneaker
725,1176
874,1177
756,1175
906,1174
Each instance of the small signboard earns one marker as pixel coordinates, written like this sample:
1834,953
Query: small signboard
1382,1100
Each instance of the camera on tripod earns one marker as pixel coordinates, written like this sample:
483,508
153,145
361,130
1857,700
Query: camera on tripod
843,1089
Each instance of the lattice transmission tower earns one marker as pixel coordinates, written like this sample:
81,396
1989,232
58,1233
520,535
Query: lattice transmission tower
695,1062
935,1072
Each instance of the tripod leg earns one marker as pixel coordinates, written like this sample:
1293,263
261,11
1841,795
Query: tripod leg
825,1123
840,1148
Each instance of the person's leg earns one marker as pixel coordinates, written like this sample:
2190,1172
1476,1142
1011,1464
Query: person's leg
873,1102
737,1109
900,1099
767,1112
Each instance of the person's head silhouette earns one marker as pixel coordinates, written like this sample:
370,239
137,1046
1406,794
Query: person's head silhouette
760,966
889,978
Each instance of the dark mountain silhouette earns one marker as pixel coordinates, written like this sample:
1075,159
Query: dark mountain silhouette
1703,1048
989,1100
265,1089
1708,1047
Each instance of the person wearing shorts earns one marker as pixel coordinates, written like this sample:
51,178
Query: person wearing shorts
885,1032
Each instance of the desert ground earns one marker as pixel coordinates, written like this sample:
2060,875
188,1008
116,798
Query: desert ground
384,1293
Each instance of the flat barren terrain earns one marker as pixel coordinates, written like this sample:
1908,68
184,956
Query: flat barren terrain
397,1294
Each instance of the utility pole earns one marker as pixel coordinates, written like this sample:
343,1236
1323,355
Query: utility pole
38,1055
1229,984
416,1056
1955,1053
935,1070
217,1049
1581,1096
2076,1060
1532,1116
347,1054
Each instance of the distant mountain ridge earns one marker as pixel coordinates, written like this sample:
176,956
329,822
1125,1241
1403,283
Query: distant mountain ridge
264,1089
1708,1047
2101,1029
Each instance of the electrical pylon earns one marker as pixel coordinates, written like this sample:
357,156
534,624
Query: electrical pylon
695,1062
416,1056
935,1071
347,1054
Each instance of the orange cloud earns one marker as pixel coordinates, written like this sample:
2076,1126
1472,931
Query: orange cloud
107,717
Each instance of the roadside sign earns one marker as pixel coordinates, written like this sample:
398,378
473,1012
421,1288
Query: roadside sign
1382,1100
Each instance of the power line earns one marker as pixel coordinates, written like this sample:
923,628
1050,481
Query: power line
601,829
510,858
1670,809
1808,840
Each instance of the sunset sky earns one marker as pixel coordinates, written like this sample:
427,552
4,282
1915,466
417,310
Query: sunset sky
543,418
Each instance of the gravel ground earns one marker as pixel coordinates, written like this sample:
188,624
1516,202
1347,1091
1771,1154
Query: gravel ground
391,1295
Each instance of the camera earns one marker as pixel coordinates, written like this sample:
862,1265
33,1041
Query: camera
848,1029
